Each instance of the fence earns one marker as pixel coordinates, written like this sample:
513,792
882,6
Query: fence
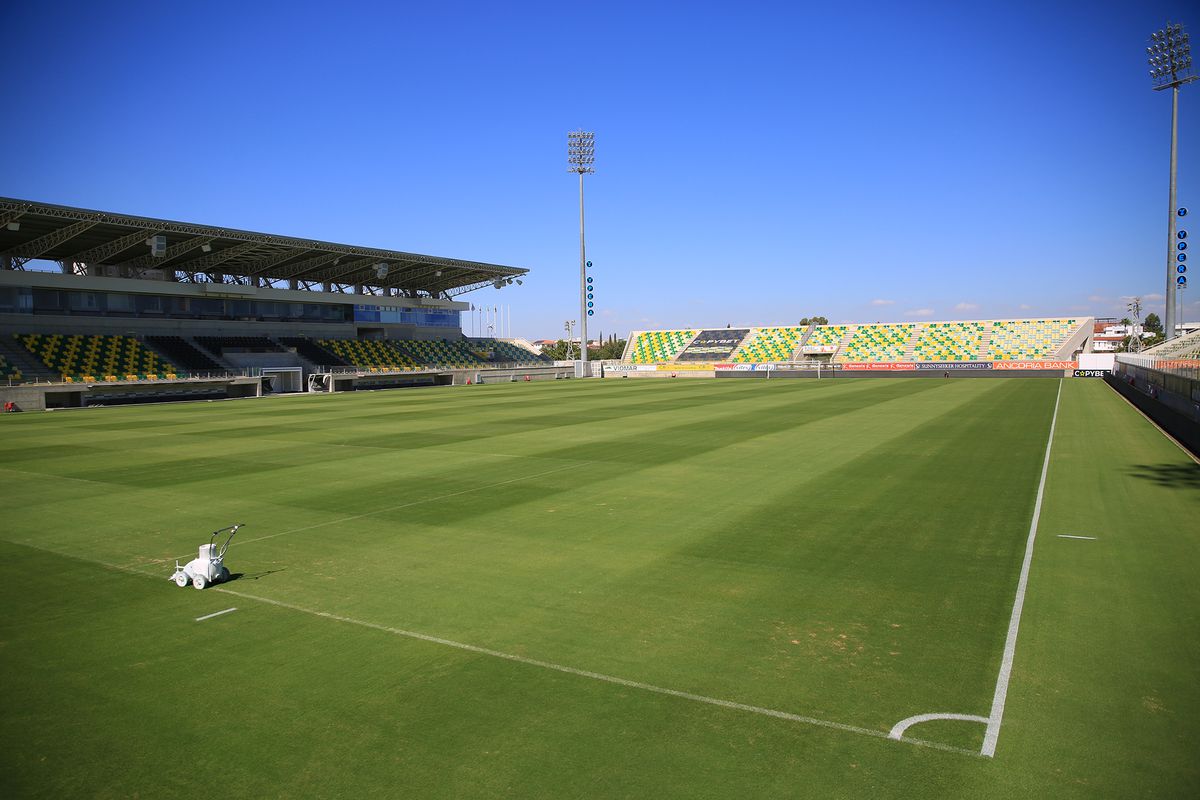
1167,392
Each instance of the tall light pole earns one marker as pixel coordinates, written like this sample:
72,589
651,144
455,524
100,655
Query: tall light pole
581,154
1135,330
1170,59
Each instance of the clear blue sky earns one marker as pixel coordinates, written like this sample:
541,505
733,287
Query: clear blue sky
755,162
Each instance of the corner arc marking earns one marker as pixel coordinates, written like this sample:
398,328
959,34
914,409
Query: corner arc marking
897,731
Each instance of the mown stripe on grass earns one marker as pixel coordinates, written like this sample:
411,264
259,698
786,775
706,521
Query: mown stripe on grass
1010,642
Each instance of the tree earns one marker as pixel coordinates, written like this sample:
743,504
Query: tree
1153,324
561,350
612,348
814,321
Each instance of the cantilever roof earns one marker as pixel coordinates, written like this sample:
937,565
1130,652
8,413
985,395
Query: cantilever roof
206,253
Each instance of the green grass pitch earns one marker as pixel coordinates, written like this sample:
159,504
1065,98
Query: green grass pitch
602,589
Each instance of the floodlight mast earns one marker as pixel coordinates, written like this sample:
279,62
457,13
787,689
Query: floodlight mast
1170,60
581,154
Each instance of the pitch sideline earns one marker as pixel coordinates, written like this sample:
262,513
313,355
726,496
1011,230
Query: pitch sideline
1010,642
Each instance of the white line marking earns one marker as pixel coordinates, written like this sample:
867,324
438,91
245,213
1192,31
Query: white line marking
1069,536
900,727
1010,642
533,662
217,614
698,698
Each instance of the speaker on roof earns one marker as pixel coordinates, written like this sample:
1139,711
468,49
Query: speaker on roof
158,245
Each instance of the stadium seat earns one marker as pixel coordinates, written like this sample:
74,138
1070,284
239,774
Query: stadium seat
183,353
657,347
496,351
769,344
371,354
314,352
827,336
437,353
886,342
949,341
82,357
254,344
1029,339
8,372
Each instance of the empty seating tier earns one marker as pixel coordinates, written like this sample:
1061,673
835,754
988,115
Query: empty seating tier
313,352
370,354
241,344
655,347
1029,339
949,341
437,353
496,351
95,358
878,343
180,351
9,373
827,336
770,344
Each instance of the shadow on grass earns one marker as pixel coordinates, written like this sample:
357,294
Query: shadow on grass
234,576
1183,476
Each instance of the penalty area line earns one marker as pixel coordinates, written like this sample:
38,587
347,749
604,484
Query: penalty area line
1014,623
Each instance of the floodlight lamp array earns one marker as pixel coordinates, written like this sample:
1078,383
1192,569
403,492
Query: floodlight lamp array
1169,55
581,151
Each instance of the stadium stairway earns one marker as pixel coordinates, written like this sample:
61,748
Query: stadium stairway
910,348
798,353
845,342
985,341
313,353
214,357
1076,340
181,352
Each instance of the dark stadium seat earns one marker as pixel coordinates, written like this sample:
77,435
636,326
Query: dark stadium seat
181,352
312,351
241,344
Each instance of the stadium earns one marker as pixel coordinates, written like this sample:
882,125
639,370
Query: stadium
279,522
706,583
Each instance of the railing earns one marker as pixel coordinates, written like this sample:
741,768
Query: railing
1170,365
352,370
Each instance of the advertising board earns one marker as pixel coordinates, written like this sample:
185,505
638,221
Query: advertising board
1017,365
710,344
879,366
946,366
